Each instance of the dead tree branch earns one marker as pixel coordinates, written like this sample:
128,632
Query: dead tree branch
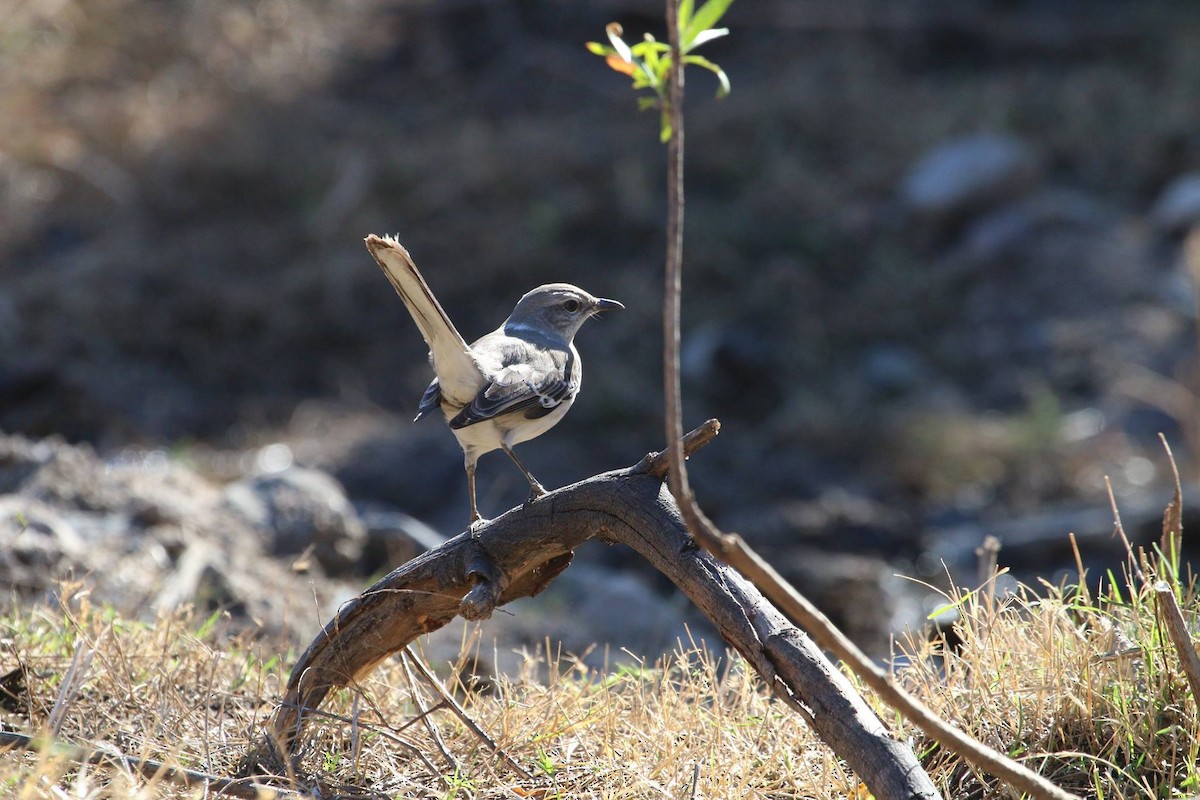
519,553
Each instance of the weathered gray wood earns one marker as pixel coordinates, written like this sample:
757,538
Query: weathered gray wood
517,554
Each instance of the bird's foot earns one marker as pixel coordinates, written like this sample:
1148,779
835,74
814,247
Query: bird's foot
476,524
536,490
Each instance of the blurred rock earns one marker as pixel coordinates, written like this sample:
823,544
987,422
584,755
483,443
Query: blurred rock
891,369
730,363
393,538
298,508
1003,232
1029,542
20,459
37,544
144,531
860,593
837,519
602,615
414,469
1177,208
966,175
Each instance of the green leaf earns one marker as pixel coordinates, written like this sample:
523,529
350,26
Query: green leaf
704,18
685,13
599,49
207,626
701,61
707,36
649,55
647,103
664,133
650,44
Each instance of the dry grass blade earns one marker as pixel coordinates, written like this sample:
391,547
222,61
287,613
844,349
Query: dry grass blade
68,690
460,712
425,716
1172,532
151,769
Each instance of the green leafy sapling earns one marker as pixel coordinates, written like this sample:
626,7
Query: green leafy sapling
648,62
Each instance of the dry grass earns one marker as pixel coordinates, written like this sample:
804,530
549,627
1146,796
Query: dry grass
1086,689
1083,687
179,692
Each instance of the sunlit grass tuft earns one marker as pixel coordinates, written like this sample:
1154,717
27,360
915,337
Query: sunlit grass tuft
1080,685
1085,687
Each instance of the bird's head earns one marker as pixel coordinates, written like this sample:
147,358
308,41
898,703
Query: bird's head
556,309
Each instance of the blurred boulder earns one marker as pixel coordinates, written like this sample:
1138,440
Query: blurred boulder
1177,208
37,544
967,175
891,370
860,593
1008,229
393,538
145,532
837,519
731,364
600,616
298,508
418,469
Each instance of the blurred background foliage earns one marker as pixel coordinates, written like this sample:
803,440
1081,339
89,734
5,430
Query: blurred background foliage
936,275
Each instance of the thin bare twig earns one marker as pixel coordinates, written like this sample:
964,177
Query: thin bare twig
659,464
672,388
1168,606
1119,530
426,717
731,548
449,702
988,554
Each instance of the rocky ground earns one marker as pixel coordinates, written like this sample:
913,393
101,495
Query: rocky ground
938,285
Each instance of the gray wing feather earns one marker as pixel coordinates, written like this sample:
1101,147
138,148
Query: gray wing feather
536,392
430,401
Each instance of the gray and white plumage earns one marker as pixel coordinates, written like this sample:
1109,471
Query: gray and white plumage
509,386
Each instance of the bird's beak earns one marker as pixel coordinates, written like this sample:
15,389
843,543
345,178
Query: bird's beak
604,304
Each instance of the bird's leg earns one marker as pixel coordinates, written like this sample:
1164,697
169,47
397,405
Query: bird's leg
476,519
536,490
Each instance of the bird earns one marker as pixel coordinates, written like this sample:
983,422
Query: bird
507,387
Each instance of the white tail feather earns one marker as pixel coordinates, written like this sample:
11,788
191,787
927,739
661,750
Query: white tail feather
457,371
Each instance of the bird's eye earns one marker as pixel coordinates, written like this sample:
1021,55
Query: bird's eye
571,306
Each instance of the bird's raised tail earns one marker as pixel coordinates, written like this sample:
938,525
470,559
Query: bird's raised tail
458,374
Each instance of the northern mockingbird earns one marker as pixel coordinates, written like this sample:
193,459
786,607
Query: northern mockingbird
508,387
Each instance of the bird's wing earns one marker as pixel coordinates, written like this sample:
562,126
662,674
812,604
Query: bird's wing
535,383
430,401
459,376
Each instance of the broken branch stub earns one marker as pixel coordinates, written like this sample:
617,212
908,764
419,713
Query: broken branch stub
519,553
